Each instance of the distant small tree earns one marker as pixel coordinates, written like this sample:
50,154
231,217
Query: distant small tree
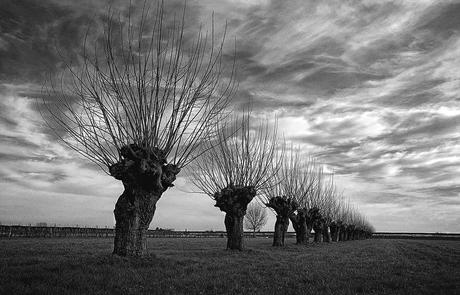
255,218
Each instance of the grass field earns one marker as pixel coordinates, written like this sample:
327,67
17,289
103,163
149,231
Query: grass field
202,266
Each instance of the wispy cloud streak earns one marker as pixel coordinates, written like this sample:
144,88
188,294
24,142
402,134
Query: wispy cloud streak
369,87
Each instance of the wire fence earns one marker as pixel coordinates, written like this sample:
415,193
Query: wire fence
21,231
24,231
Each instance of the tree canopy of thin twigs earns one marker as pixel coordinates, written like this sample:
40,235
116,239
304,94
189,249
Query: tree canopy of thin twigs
294,180
242,155
139,85
325,197
255,218
235,167
309,197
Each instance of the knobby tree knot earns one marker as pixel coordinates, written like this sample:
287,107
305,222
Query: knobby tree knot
283,206
234,199
145,167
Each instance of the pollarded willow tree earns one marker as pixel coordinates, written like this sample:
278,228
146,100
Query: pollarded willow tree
335,214
143,98
286,186
328,205
321,204
302,219
235,168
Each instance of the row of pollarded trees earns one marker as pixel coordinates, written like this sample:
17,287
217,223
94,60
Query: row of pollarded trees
303,194
147,98
248,159
235,168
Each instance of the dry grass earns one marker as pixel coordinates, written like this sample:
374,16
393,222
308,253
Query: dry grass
201,266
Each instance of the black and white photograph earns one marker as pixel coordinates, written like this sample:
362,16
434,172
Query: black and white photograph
229,147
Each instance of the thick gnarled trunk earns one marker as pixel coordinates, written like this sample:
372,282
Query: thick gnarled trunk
317,222
300,227
235,232
302,237
133,212
281,226
342,231
326,234
145,176
234,200
284,208
350,231
334,232
318,233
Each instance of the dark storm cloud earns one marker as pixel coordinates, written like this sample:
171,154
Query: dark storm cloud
30,33
445,22
36,37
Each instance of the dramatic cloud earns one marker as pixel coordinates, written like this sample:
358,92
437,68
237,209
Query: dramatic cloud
369,87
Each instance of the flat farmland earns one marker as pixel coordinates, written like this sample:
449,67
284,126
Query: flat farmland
203,266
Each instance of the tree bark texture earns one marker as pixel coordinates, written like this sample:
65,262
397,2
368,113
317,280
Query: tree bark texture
318,233
345,235
134,211
234,200
350,231
145,176
334,231
317,222
295,225
235,232
342,233
299,223
281,226
326,234
284,208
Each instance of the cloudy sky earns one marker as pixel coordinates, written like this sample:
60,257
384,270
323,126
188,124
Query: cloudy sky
372,88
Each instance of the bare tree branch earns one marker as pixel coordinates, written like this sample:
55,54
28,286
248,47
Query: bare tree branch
255,218
241,155
142,86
